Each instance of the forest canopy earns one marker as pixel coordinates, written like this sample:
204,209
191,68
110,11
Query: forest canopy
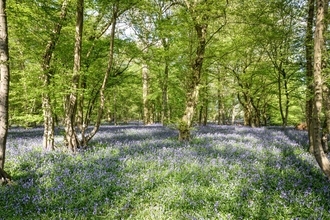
252,73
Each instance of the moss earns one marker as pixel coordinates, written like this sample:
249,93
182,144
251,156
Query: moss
184,131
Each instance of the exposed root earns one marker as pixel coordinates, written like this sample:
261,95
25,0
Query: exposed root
5,178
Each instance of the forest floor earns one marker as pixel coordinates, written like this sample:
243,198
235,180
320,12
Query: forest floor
144,172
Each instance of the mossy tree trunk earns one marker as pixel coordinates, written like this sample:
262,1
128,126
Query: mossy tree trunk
200,20
194,83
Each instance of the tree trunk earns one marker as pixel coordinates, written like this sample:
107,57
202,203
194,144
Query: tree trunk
48,137
221,111
4,88
195,74
105,78
247,108
284,107
145,93
164,115
193,88
279,85
324,138
326,87
309,72
205,102
205,112
200,115
221,107
71,139
287,102
84,118
319,49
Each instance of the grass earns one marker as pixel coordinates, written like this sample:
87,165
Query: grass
136,172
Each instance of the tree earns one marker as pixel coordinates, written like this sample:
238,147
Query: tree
48,137
319,50
4,89
31,29
199,14
71,139
93,83
282,46
143,24
309,72
190,69
116,13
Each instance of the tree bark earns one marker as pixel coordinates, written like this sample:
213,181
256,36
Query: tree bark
326,86
48,136
4,87
319,49
71,139
309,73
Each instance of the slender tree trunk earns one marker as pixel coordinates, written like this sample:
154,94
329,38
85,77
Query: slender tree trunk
106,76
71,138
233,115
200,116
205,104
221,107
221,118
164,116
4,89
309,73
48,137
83,118
287,101
115,108
284,110
319,49
279,88
145,93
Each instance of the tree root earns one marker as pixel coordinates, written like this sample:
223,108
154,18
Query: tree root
5,178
